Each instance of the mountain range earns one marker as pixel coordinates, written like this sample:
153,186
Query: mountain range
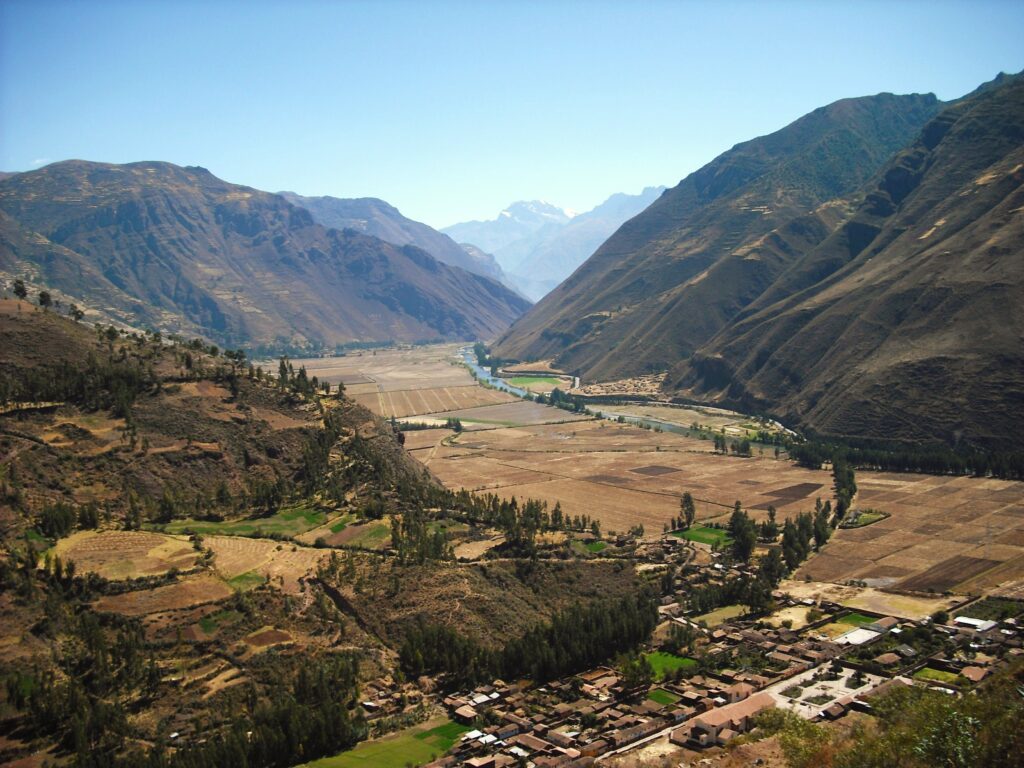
382,220
538,245
181,250
856,273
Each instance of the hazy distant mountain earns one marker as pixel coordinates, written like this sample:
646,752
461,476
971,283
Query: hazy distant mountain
517,221
907,322
547,258
380,219
539,245
179,249
673,276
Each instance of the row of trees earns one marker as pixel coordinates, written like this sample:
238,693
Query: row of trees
574,639
929,459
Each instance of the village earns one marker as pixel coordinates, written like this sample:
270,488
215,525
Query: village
702,686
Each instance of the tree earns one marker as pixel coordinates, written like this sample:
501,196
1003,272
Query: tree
75,313
688,508
45,299
744,534
19,289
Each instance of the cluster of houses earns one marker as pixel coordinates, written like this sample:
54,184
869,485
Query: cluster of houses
573,721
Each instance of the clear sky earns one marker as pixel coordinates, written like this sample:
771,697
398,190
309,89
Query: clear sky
452,110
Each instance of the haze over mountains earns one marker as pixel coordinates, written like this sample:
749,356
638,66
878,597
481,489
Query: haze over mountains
181,250
815,275
538,244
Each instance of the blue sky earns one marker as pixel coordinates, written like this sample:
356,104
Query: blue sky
452,110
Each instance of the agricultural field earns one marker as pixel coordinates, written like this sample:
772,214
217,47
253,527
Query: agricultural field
126,554
186,593
540,384
519,413
958,534
406,381
246,562
704,535
412,746
619,474
735,425
286,522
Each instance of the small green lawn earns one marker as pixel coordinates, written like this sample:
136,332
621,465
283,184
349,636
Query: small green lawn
661,696
596,546
243,582
524,382
412,746
937,675
286,522
213,622
857,619
36,537
704,535
372,535
663,663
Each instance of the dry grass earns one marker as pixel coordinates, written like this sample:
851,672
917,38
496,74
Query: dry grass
619,474
283,563
187,593
126,554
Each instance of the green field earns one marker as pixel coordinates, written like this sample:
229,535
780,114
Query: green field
722,615
661,696
286,522
243,582
864,517
372,535
596,546
704,535
857,619
213,622
663,663
339,524
526,381
413,746
937,675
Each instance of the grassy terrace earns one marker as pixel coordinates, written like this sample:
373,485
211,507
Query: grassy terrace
286,522
413,746
704,535
663,663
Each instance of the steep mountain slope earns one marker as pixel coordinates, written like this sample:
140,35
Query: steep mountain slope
908,321
544,260
673,276
519,220
188,252
382,220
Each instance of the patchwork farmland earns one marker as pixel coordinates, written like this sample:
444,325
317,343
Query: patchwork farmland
625,476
